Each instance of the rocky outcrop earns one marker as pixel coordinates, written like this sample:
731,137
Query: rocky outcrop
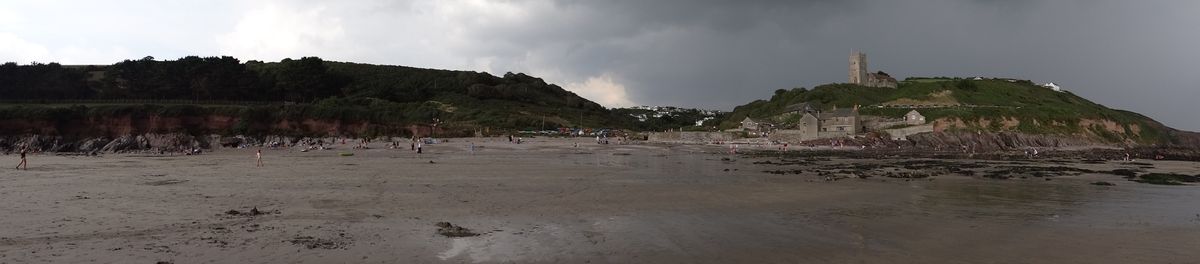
127,143
997,141
92,145
124,125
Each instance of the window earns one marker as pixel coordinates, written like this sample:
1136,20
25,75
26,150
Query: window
841,128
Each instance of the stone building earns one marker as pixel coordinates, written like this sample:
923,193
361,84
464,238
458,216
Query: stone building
914,118
817,124
749,124
839,122
861,76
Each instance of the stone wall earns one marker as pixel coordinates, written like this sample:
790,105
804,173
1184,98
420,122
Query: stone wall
689,137
903,133
796,136
877,123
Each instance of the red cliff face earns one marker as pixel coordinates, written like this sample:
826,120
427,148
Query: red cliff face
117,126
27,127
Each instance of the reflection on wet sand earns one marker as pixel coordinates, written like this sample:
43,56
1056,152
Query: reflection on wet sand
549,202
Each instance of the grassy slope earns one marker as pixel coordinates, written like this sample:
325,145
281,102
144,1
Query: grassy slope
526,102
1040,110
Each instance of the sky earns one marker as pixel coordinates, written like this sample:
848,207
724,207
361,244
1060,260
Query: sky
712,54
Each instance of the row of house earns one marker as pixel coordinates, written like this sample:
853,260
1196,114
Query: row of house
815,123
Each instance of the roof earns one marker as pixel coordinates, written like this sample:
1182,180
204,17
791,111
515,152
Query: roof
803,107
913,111
749,119
883,76
840,112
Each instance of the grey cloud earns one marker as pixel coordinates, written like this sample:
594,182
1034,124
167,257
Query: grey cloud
709,53
718,54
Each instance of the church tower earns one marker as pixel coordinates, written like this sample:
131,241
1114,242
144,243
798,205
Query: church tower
858,68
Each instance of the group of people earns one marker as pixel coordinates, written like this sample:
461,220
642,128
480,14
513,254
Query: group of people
362,143
312,144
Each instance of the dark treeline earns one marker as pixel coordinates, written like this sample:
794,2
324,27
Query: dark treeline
43,81
189,78
340,90
304,80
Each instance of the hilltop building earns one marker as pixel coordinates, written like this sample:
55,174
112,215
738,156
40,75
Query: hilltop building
860,76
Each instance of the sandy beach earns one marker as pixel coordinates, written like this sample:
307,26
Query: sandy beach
546,201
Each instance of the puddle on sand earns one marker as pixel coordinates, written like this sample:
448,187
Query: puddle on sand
504,246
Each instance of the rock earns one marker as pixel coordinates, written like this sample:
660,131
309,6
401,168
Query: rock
121,144
170,142
995,141
94,144
321,243
231,142
450,230
1103,183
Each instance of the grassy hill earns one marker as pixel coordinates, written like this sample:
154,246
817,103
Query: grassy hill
976,105
293,90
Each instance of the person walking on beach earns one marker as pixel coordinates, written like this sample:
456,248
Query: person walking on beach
259,157
23,161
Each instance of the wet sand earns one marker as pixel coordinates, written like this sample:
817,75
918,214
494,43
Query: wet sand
548,202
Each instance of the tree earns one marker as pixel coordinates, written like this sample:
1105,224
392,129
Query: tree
306,80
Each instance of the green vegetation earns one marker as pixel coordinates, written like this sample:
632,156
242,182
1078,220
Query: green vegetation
670,118
294,90
1166,178
1036,109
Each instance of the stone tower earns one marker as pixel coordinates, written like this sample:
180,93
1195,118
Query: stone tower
858,68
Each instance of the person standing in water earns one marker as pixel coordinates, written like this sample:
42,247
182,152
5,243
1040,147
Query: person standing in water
259,157
23,161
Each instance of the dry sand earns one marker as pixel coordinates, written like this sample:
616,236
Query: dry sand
548,202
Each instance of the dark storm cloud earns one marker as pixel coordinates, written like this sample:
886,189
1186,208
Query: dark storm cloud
718,54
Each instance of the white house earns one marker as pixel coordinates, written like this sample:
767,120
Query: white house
914,118
1053,86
